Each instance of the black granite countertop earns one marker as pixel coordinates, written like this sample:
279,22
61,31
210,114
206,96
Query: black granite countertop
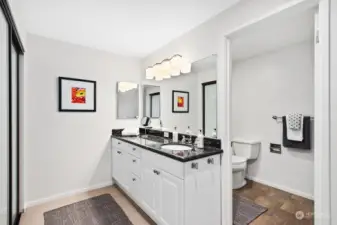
154,143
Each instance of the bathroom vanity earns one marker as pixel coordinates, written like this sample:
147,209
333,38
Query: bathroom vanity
172,187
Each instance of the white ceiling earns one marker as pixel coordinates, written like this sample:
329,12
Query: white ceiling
207,63
274,33
127,27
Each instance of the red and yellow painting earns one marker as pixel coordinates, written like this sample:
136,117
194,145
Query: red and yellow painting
78,95
181,102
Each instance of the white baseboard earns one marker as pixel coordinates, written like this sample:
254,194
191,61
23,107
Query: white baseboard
66,194
283,188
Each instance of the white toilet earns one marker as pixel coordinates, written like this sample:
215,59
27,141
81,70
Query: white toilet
243,150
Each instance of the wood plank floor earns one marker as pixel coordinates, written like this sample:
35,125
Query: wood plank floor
282,206
34,215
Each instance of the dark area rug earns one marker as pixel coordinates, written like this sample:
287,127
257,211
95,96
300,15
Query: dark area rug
100,210
245,211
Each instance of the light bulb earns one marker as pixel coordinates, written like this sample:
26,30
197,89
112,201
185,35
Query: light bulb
186,66
149,73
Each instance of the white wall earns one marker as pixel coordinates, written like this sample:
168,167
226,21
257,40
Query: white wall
333,88
275,83
65,152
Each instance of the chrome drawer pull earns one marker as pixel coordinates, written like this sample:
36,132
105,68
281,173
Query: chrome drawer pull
195,166
156,172
210,161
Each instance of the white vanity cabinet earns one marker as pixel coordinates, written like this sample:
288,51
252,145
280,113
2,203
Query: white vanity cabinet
169,191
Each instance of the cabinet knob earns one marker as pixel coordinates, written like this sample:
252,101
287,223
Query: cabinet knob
119,152
210,161
156,172
134,149
119,143
133,179
134,160
195,166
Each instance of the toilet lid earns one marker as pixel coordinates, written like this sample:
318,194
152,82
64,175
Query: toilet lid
238,159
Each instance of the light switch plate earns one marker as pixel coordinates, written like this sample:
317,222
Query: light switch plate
166,134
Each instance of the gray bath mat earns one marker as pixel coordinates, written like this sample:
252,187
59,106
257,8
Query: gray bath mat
245,211
100,210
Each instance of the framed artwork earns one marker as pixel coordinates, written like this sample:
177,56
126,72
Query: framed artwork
77,95
180,101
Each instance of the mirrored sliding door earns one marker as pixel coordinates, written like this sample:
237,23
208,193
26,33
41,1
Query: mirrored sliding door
14,137
10,50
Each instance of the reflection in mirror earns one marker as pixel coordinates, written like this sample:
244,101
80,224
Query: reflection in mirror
127,100
151,102
198,108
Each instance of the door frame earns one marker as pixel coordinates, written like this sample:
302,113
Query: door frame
322,112
151,95
204,103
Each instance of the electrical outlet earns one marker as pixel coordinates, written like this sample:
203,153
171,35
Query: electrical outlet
275,148
166,134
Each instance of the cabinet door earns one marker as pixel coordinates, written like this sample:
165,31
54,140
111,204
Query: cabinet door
149,189
120,170
170,199
202,197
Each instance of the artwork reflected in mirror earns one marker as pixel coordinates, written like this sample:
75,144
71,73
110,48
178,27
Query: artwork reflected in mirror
152,103
127,100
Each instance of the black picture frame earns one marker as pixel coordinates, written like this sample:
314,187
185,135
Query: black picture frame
188,101
60,109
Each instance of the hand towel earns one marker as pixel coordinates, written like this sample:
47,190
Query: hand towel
294,127
294,121
130,132
306,143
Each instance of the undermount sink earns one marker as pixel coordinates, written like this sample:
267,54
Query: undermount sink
176,147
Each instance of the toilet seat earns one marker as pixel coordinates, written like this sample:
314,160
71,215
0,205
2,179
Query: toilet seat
239,163
238,160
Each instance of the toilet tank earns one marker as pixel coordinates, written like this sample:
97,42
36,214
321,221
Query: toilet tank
248,149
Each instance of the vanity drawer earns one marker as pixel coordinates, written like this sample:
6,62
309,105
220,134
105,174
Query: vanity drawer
119,144
204,164
134,165
134,150
163,163
135,186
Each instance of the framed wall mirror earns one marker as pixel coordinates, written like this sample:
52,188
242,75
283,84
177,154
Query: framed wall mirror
127,100
200,84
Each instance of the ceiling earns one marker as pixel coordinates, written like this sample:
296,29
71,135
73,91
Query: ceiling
208,63
283,29
126,27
